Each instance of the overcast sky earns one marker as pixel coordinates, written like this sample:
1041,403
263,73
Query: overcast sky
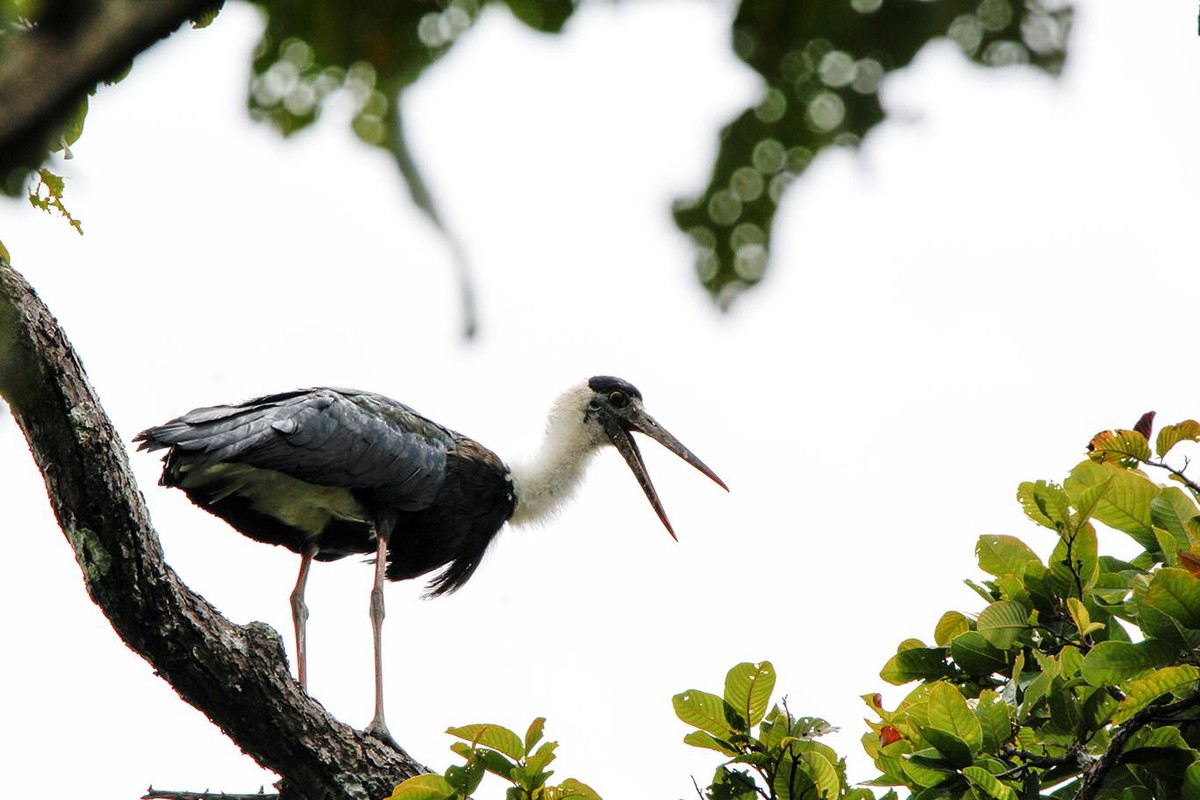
1004,268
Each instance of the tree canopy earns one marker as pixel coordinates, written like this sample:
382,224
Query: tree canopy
821,65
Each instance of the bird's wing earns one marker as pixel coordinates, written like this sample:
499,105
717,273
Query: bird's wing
330,437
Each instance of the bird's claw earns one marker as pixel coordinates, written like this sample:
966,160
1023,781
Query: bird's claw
379,730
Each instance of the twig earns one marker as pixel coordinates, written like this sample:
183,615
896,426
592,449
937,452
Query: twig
166,794
1178,473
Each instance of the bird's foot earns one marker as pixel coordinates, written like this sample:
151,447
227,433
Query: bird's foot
378,728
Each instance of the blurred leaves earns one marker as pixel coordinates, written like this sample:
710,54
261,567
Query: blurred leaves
822,63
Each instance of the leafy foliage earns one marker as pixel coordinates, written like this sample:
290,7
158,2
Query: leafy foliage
1079,678
496,749
822,63
781,760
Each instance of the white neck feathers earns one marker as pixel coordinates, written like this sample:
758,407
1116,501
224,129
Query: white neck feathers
545,482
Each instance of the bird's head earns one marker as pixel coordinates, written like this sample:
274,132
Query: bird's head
612,413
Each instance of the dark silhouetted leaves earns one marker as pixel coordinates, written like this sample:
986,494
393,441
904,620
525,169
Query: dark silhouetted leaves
821,64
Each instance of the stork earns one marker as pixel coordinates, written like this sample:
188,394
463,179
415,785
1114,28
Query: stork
329,473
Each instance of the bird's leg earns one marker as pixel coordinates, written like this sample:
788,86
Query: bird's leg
300,614
378,727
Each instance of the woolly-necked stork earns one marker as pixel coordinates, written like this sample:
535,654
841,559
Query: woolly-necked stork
329,473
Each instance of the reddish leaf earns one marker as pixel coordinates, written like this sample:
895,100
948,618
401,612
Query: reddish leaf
1190,562
1145,424
888,734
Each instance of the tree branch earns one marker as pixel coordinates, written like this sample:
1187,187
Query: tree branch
162,794
235,674
47,70
1093,776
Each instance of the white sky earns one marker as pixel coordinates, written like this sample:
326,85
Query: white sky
1002,270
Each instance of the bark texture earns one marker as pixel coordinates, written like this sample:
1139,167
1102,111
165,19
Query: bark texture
235,674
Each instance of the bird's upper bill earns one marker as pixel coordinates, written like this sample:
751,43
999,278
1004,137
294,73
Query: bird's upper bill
617,406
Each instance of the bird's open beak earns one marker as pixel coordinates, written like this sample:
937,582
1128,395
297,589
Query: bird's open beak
635,419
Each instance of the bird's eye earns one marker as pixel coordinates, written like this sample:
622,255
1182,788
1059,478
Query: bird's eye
618,399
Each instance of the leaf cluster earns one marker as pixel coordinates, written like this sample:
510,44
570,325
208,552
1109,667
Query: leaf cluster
496,749
1079,677
47,194
822,64
771,754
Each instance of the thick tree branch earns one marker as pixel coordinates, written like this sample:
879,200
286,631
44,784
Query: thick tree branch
46,71
235,674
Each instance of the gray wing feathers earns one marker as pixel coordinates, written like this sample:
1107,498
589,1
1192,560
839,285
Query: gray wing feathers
330,437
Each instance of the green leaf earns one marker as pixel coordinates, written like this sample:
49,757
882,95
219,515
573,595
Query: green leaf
748,690
496,737
1141,692
1191,781
535,765
1004,555
424,787
1176,593
1173,510
1081,618
1171,435
989,784
1110,663
951,624
1002,623
1157,625
921,772
994,721
1075,560
1123,499
702,710
919,663
793,782
823,774
710,742
950,746
1045,503
1163,737
732,784
465,779
976,656
547,16
534,733
571,788
948,712
495,763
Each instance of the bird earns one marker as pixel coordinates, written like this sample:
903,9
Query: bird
329,473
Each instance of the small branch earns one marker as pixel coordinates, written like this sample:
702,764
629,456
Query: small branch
1076,756
1178,473
237,675
161,794
1093,776
423,198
